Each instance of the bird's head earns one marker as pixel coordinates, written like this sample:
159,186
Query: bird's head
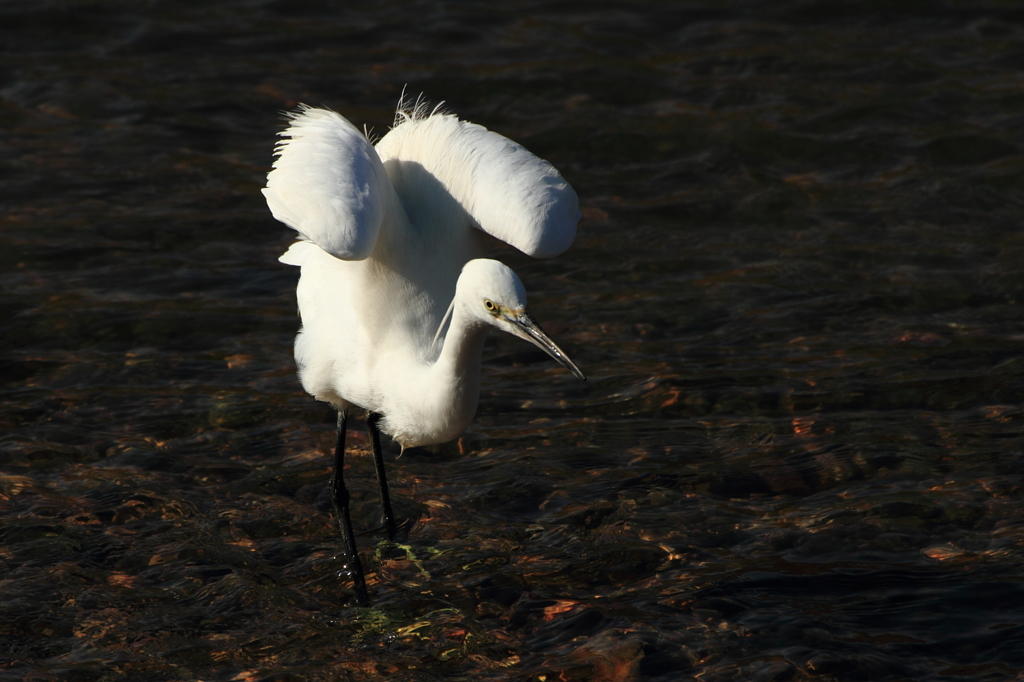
491,293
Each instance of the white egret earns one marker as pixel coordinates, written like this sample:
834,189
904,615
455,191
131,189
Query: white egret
389,239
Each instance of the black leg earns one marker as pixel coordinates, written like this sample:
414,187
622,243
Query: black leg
340,494
382,480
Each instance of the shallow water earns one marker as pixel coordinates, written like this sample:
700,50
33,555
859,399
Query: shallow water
795,292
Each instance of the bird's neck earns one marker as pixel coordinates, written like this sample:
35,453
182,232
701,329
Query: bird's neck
463,346
454,379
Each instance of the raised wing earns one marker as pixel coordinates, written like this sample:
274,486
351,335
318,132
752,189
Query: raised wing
328,184
508,192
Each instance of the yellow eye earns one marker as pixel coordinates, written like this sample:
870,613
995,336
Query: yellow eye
490,305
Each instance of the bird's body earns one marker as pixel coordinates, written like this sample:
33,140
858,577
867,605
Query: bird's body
348,359
390,239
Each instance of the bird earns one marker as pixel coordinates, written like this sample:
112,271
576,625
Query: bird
394,294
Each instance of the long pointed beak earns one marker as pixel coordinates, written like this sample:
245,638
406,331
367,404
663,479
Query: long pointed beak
524,326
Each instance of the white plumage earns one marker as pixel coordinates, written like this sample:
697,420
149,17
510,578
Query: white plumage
329,185
385,234
390,239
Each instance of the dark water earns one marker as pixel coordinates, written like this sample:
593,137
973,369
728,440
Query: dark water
796,292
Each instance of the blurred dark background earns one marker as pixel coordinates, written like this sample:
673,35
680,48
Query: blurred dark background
795,291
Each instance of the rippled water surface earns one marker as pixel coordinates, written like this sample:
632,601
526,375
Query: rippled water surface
796,292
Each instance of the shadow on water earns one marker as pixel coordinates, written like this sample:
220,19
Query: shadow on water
795,292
